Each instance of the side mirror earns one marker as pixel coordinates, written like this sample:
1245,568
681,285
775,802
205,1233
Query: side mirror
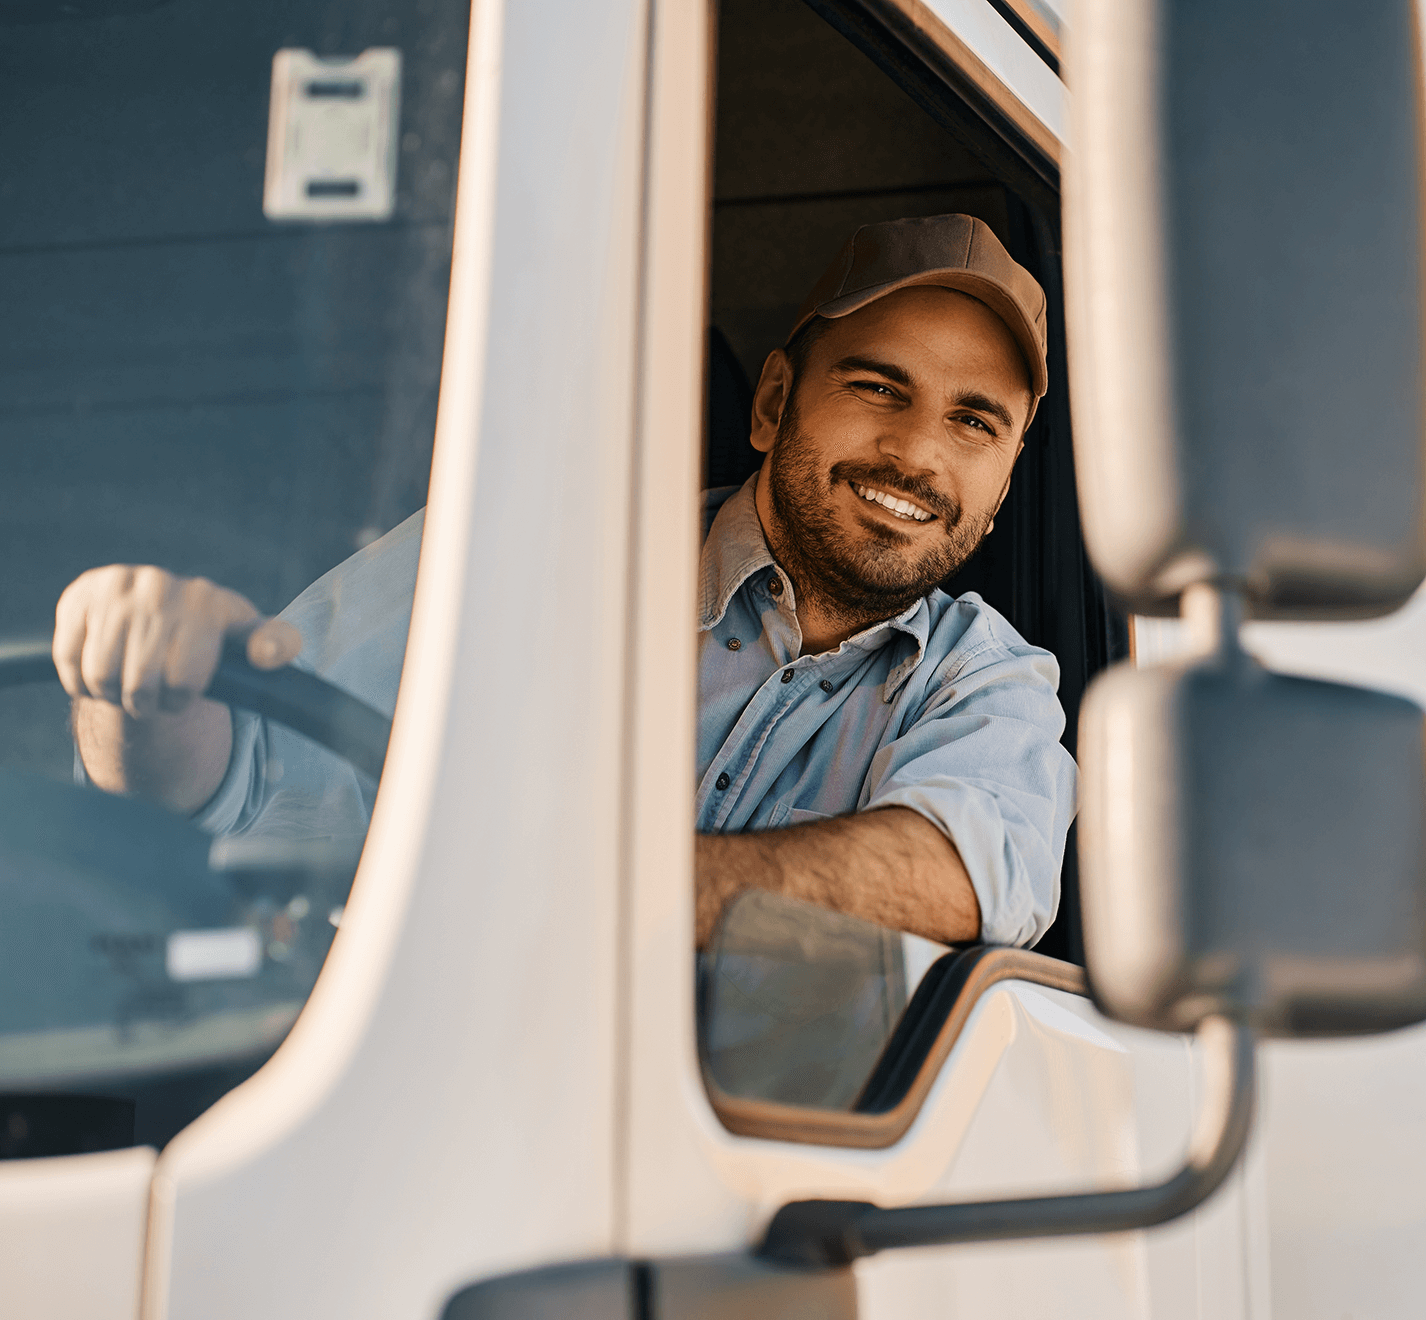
1244,247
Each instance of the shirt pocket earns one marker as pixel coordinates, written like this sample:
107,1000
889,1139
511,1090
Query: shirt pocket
800,816
786,814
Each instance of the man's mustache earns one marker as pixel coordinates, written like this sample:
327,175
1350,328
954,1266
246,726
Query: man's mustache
887,478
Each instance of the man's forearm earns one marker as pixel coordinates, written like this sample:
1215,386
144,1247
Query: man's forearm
891,867
175,759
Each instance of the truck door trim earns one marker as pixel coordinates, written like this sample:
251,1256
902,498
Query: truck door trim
912,1059
1039,32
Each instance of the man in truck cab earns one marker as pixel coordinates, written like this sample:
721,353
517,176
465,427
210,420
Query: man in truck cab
865,741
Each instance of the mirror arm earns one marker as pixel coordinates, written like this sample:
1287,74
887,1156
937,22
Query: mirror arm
835,1233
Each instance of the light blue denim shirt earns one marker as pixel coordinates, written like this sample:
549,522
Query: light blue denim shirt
944,709
353,620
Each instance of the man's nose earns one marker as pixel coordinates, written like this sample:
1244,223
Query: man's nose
916,438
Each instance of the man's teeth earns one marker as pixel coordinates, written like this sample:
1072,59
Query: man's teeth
893,504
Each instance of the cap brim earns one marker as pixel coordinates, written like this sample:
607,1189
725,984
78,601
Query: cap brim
991,292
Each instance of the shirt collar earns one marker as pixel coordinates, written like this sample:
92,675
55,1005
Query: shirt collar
736,548
916,624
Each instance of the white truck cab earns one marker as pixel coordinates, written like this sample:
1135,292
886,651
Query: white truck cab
277,277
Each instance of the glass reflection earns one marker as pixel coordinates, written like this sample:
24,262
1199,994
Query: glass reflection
797,1002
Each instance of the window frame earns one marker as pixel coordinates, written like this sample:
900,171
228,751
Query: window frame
1040,33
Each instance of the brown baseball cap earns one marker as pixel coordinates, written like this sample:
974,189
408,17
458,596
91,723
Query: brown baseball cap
953,251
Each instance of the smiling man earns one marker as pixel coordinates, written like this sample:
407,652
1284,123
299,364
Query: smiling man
908,741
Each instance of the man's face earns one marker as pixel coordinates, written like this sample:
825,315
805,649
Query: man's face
888,462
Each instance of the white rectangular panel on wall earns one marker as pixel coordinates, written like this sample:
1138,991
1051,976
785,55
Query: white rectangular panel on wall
332,136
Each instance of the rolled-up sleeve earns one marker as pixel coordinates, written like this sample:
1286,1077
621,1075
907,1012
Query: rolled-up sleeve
353,620
239,797
981,759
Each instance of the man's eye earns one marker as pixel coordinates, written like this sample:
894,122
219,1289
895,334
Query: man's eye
971,419
875,387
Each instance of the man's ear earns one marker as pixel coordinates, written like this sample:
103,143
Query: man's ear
770,399
1005,489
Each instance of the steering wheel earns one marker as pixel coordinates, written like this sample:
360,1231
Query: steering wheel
303,702
109,907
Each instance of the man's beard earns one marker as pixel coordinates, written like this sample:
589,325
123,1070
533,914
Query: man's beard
866,575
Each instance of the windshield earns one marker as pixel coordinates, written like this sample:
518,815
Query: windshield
225,247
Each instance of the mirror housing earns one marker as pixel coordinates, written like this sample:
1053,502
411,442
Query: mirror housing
1251,846
1244,246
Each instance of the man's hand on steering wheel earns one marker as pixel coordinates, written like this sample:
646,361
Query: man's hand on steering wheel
145,639
136,647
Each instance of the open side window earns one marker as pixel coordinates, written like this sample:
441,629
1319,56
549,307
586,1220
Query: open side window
831,115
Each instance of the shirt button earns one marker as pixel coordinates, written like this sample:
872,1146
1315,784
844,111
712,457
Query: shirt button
722,781
787,676
825,685
734,644
774,585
